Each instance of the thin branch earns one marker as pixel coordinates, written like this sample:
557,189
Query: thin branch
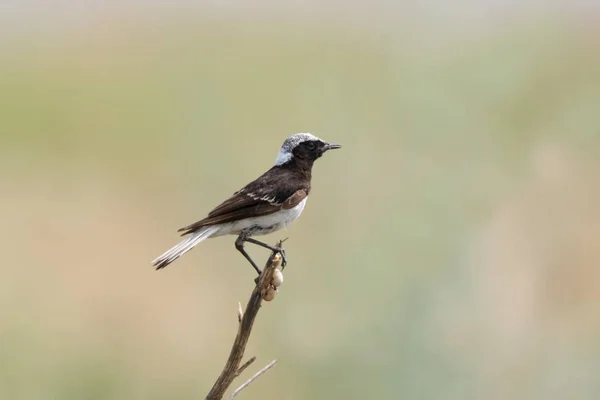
263,288
252,379
246,365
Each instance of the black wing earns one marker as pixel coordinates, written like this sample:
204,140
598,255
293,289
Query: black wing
271,192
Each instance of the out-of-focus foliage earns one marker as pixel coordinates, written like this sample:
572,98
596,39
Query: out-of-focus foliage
450,250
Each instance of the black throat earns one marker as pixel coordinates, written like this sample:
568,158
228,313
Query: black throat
300,167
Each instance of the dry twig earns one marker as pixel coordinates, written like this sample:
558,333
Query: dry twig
246,320
252,379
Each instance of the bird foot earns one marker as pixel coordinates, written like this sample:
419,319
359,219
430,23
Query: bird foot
281,251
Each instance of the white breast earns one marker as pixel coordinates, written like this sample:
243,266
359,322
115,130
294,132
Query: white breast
264,224
290,215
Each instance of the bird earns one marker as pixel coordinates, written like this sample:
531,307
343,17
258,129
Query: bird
269,203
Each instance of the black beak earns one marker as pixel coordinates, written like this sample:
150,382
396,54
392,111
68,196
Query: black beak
331,146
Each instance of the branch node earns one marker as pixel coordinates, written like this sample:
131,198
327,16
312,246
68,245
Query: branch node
246,365
240,312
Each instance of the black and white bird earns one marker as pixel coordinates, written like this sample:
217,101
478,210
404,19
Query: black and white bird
271,202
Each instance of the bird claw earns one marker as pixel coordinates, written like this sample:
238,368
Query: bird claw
281,251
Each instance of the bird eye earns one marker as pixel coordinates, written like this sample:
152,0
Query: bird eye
310,145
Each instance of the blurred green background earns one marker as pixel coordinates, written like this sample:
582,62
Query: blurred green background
450,250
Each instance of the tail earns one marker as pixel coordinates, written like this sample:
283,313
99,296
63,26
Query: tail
184,246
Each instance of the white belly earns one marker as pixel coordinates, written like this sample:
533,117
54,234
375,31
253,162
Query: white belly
263,225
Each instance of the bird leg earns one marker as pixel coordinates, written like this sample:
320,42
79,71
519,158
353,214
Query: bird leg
239,245
279,250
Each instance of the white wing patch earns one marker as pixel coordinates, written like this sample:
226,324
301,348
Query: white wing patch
268,199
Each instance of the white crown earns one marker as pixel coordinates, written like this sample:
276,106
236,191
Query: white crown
285,154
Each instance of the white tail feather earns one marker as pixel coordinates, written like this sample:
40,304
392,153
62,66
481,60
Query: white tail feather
184,246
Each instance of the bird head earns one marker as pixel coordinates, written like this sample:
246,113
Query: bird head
303,147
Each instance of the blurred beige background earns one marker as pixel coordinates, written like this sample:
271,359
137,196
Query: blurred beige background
450,250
